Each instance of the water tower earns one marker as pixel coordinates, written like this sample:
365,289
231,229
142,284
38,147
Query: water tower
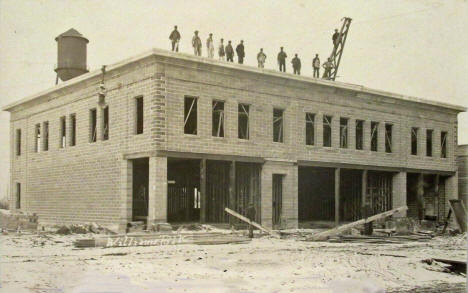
71,55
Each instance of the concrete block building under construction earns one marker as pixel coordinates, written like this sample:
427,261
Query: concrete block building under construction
178,138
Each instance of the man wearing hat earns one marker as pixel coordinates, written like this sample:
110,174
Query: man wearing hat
240,52
175,37
210,46
282,60
221,51
316,66
261,57
229,52
196,44
336,37
296,63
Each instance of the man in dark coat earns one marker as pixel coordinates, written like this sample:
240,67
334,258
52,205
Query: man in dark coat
175,38
336,37
296,63
282,60
240,52
316,66
229,52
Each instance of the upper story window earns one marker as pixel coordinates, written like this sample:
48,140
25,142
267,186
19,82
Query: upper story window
72,129
388,137
92,125
278,125
190,115
37,138
374,136
443,144
343,132
429,133
243,125
217,128
105,123
63,132
414,140
327,131
139,115
18,142
359,134
310,129
45,140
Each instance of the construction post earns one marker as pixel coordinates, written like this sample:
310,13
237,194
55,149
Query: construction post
232,189
337,196
203,200
363,188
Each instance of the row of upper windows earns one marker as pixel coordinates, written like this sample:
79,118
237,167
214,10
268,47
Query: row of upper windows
67,136
218,121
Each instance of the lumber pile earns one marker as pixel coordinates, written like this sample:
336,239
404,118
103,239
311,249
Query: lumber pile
160,239
248,221
379,239
335,231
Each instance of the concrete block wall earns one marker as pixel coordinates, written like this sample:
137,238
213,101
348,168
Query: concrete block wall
399,192
88,182
462,162
264,93
289,213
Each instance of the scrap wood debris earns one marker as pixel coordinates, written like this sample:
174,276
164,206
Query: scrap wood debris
446,265
161,239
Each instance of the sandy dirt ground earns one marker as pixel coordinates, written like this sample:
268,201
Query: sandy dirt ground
50,263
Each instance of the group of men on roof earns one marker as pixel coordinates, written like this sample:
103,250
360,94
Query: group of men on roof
226,52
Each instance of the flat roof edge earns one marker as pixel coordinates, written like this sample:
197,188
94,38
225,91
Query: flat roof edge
183,56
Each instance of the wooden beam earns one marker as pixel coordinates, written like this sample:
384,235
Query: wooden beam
372,167
214,157
337,196
324,235
203,201
260,227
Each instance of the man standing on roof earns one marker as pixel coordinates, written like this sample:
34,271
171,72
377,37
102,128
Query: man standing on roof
240,52
316,66
296,63
221,51
196,44
336,37
210,46
229,52
261,57
282,60
175,38
328,66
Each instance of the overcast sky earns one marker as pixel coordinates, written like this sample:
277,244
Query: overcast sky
416,47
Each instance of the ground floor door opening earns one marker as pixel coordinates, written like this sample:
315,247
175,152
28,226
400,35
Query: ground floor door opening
426,196
316,196
379,191
183,190
140,181
277,199
350,195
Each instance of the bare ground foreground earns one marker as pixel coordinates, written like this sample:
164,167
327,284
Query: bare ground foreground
47,262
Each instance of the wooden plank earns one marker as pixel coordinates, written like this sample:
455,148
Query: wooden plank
214,157
334,231
459,213
203,201
337,196
371,167
161,239
241,217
